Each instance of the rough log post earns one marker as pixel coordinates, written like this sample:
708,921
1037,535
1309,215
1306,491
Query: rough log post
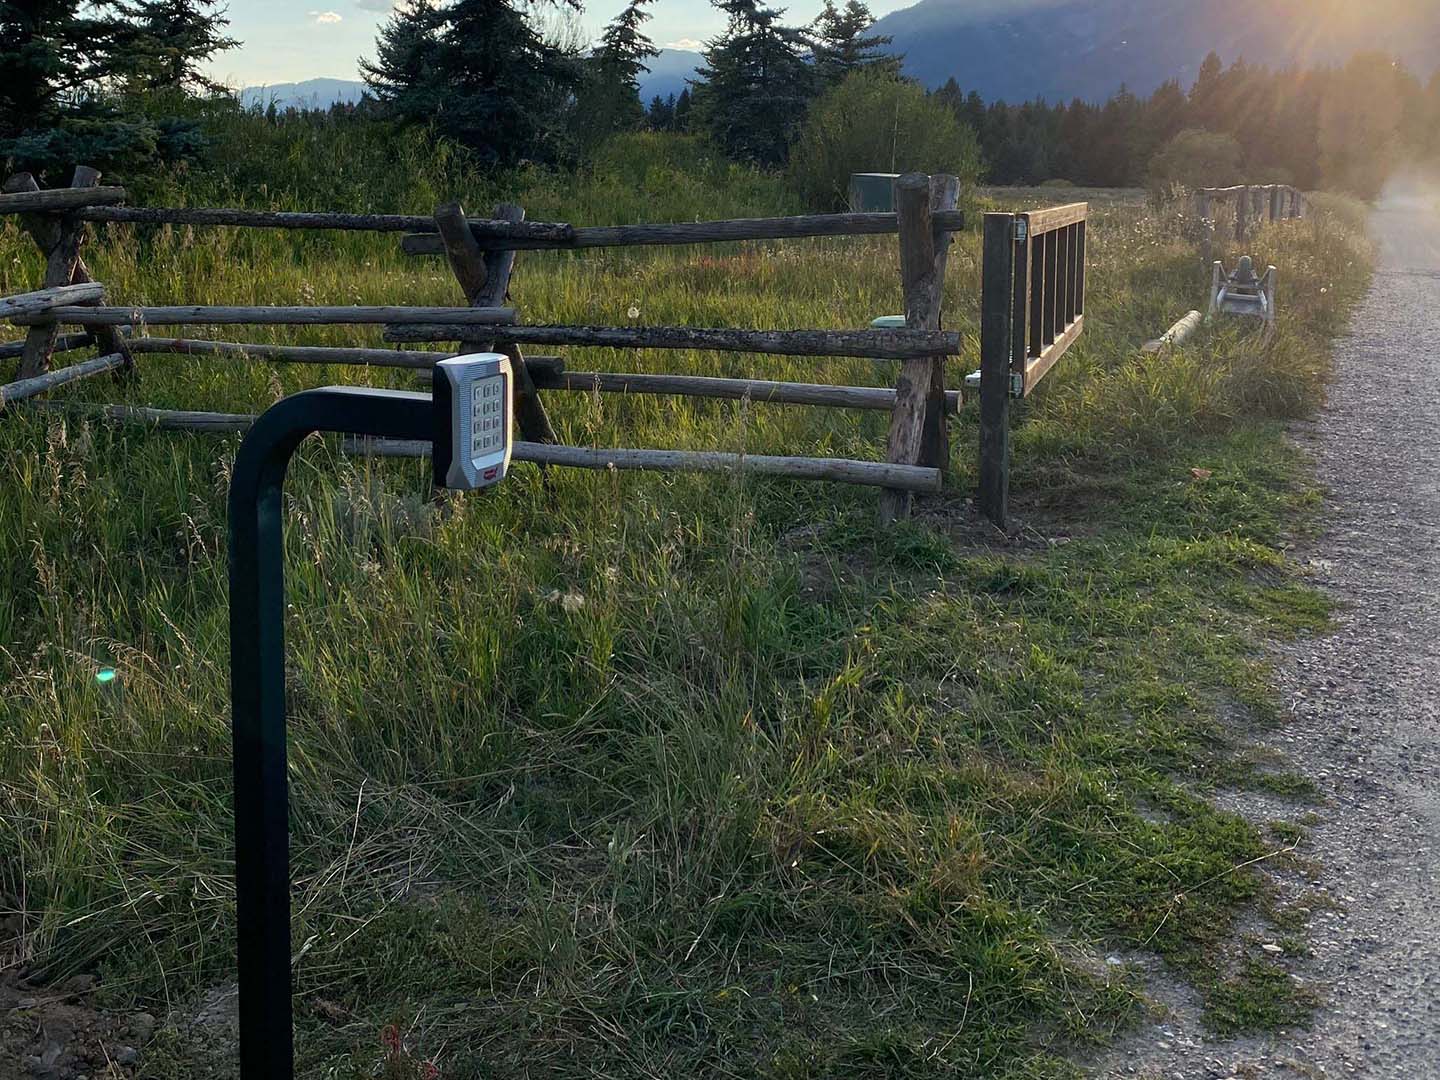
1276,213
485,279
60,242
996,321
1242,216
499,266
917,426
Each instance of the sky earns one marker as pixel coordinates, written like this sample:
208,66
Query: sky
292,40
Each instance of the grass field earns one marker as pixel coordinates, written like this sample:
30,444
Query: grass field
633,775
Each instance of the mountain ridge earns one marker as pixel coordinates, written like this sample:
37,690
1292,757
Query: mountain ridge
1063,49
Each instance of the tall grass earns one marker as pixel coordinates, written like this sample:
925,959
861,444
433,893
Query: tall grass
629,775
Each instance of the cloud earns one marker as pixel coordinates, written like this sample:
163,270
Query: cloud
326,17
688,44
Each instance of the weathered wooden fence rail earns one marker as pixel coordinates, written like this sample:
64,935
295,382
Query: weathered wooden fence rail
481,253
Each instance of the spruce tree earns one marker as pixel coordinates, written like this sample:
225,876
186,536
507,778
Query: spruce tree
63,62
841,45
610,100
402,74
756,84
661,114
481,72
168,40
682,110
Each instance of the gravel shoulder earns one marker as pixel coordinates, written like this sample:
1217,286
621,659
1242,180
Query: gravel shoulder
1363,709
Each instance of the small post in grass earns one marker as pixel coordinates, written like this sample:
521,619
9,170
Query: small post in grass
997,301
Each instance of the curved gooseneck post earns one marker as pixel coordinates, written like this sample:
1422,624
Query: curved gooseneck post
257,694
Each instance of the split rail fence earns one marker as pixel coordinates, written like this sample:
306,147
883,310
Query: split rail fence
481,254
1252,205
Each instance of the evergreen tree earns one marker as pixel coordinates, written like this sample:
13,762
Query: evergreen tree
756,84
1205,94
481,72
610,100
402,74
63,62
661,114
841,45
170,39
682,110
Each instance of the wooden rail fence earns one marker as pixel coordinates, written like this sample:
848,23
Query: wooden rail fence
1049,286
1252,205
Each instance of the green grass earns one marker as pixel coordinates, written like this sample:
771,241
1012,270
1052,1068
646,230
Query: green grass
632,775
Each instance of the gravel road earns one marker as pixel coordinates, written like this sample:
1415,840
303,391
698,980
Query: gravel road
1364,707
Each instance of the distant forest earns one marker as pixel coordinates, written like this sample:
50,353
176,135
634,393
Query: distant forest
1334,127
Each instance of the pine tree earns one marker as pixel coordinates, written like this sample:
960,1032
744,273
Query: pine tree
756,84
170,39
402,74
661,114
610,100
841,45
481,72
45,56
682,110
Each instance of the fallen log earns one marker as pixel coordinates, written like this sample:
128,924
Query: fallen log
1177,335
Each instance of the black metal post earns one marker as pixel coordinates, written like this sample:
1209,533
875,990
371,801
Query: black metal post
257,694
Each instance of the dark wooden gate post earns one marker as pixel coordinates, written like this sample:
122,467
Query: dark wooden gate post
1242,215
918,434
997,302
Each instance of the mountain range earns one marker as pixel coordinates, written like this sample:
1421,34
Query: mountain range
1062,49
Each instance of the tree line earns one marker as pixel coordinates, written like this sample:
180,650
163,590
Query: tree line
114,82
1343,127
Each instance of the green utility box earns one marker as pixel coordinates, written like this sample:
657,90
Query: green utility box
872,193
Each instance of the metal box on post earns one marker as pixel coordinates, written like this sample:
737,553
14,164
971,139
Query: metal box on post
872,193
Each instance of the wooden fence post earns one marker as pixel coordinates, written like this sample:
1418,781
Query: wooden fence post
1207,224
484,278
59,240
1242,215
1275,212
918,434
997,302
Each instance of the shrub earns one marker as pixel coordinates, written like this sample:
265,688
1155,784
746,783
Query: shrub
1196,159
874,122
